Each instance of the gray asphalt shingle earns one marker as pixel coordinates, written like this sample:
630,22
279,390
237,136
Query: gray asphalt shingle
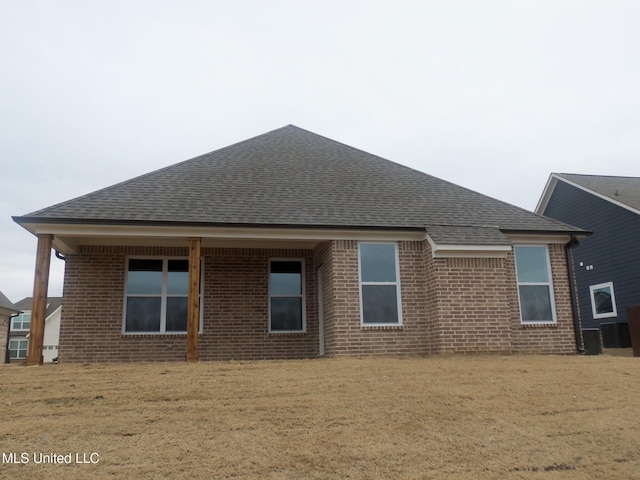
621,189
292,177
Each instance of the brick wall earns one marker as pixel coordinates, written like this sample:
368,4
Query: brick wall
4,329
347,335
449,305
235,303
472,307
558,338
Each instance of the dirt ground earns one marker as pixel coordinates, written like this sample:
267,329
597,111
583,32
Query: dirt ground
460,417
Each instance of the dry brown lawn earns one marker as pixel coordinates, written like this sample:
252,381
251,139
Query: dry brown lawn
471,417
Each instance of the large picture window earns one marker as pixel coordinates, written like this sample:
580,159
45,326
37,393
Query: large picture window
379,284
156,295
535,290
286,296
603,300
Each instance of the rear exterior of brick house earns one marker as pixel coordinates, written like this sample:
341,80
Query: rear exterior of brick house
455,292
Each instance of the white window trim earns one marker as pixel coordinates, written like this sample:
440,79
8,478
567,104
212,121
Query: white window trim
396,283
163,295
554,321
301,295
596,316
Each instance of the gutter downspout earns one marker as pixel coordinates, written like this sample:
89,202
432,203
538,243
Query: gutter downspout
574,300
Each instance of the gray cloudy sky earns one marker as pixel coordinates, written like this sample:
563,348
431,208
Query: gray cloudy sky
491,95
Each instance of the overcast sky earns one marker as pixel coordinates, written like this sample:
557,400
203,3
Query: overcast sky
491,95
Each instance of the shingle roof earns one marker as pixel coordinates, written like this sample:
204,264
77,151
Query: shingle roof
6,304
53,303
625,190
292,177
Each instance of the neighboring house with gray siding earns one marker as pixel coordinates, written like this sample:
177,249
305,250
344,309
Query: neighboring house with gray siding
607,263
292,245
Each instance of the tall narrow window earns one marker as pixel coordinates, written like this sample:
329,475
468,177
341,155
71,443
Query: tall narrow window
286,296
535,290
156,295
379,284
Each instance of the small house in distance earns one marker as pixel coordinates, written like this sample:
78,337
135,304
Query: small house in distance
606,264
21,326
292,245
7,310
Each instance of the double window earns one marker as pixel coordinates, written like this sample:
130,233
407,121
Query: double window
21,322
379,284
535,289
286,296
603,300
156,295
18,349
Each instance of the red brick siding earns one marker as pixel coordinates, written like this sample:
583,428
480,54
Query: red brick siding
449,305
348,336
558,338
235,315
473,306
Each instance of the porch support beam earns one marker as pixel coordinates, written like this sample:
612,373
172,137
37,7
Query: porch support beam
39,306
193,309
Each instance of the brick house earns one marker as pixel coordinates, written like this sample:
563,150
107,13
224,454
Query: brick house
292,245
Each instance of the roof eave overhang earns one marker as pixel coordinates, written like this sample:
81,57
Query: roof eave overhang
69,235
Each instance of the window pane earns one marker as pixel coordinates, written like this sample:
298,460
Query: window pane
177,314
531,264
535,303
378,262
285,278
178,277
145,276
379,304
143,314
286,313
602,298
18,349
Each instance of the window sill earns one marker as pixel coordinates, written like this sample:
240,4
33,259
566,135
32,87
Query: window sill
287,334
381,327
155,334
539,325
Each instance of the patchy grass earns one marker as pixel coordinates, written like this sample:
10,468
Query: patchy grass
472,417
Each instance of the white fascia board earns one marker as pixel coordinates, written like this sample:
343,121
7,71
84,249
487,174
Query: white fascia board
468,251
546,194
67,237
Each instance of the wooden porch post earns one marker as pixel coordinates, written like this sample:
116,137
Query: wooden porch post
193,309
39,306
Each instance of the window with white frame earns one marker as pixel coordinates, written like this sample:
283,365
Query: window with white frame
18,348
156,296
603,300
286,296
21,322
379,284
535,289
